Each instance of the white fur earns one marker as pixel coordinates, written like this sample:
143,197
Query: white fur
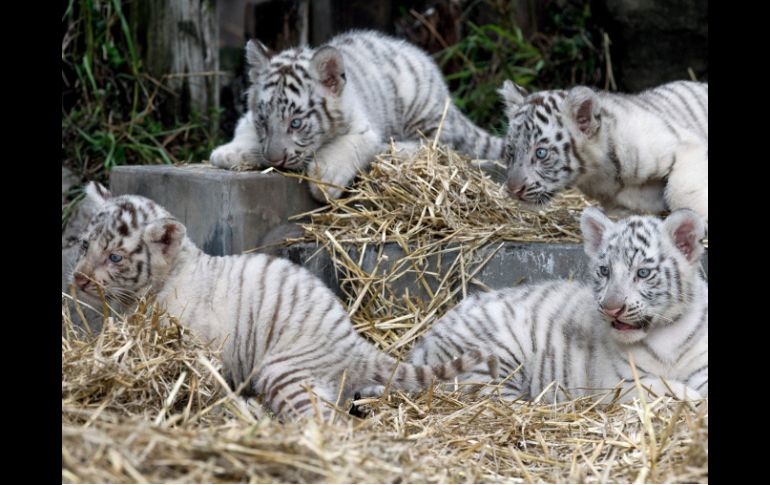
556,332
378,88
643,153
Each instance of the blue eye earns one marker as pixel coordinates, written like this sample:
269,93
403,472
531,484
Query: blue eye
604,271
643,273
541,153
115,258
295,123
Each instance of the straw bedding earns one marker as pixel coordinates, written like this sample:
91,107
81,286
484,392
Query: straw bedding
447,216
143,401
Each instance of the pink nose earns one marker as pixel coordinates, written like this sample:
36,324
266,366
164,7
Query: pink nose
517,190
81,281
614,312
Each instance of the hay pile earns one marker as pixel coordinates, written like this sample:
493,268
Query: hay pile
144,402
447,216
437,193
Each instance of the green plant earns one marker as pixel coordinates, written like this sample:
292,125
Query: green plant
109,114
567,49
489,55
573,46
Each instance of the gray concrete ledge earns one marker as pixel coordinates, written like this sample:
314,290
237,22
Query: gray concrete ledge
229,212
225,212
513,263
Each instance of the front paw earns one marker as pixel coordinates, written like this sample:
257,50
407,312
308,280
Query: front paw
371,391
321,191
317,191
407,149
234,157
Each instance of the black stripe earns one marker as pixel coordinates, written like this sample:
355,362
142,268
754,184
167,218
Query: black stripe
647,106
236,337
697,371
287,356
325,108
652,353
292,305
696,121
279,382
567,355
510,327
293,88
536,310
613,158
581,162
698,98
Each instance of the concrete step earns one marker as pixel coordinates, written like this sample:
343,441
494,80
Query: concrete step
230,212
512,263
225,212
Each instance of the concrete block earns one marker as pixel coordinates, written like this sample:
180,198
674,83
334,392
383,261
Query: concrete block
225,212
228,212
513,263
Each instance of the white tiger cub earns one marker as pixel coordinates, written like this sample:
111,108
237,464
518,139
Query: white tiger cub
647,299
646,152
277,318
335,107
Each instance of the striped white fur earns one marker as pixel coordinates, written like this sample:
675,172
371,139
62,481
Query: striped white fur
647,299
279,321
347,99
639,153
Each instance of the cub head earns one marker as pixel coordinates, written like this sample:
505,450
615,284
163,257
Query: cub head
294,98
544,132
644,268
128,246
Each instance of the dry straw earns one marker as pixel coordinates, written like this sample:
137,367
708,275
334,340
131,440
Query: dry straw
144,401
446,216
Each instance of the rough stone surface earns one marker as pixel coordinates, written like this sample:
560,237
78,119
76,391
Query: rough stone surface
225,212
512,264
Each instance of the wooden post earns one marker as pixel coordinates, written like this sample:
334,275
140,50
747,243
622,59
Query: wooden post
178,44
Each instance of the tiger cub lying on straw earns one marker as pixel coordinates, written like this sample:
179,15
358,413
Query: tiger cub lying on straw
281,322
335,107
647,299
646,152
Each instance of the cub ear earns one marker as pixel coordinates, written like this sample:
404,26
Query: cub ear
513,96
584,109
594,225
96,194
257,57
686,228
165,234
328,65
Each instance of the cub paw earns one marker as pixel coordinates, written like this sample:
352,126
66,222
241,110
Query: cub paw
234,157
317,191
370,391
407,148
